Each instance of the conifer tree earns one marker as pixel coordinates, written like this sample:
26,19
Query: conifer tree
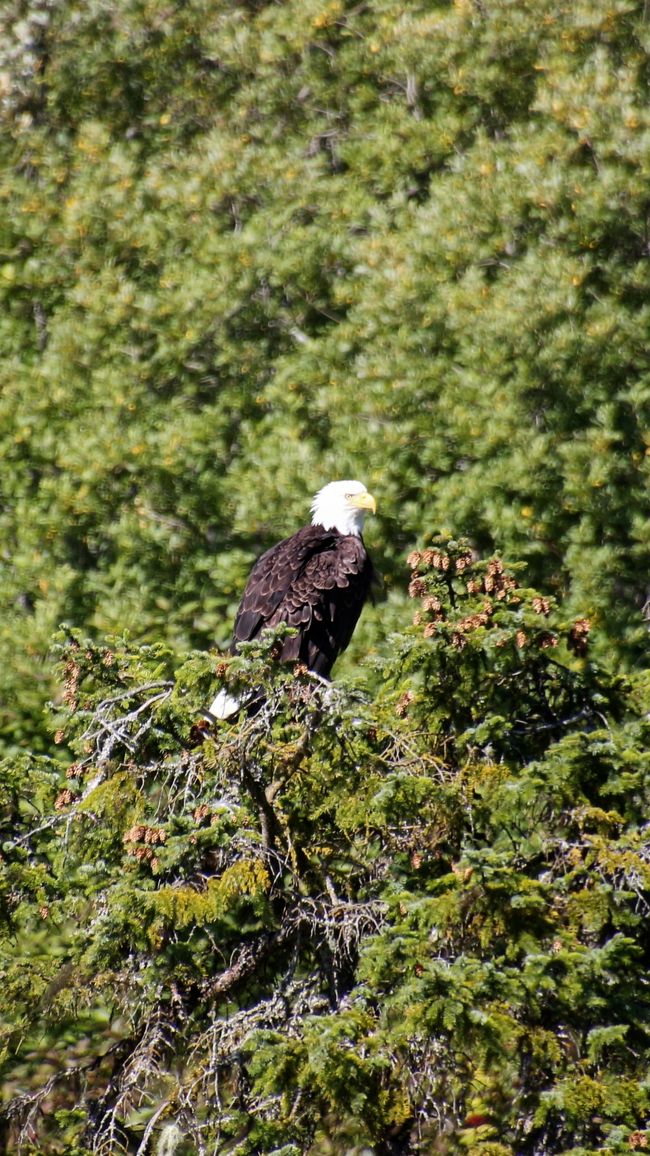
411,924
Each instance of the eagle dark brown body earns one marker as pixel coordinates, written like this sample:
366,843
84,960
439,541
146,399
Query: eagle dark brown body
316,581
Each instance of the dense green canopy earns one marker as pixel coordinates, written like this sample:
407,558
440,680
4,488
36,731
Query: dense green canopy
247,248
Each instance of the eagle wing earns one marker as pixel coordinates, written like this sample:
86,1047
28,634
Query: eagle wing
317,582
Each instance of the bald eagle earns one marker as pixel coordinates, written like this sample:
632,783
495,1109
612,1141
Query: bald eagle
316,581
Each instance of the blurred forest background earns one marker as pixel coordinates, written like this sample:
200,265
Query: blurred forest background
247,248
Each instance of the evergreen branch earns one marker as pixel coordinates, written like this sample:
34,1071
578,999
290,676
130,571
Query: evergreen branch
118,728
247,961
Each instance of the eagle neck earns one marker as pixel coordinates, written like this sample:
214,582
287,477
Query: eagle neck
345,531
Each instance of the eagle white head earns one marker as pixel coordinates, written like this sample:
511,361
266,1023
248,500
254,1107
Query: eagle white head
342,506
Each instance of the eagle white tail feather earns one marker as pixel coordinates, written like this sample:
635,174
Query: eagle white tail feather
225,705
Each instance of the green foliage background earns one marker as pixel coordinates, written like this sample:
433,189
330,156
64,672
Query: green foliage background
246,248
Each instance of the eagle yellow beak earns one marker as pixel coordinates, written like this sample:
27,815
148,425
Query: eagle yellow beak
363,502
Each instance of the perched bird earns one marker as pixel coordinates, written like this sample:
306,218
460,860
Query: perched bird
316,581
